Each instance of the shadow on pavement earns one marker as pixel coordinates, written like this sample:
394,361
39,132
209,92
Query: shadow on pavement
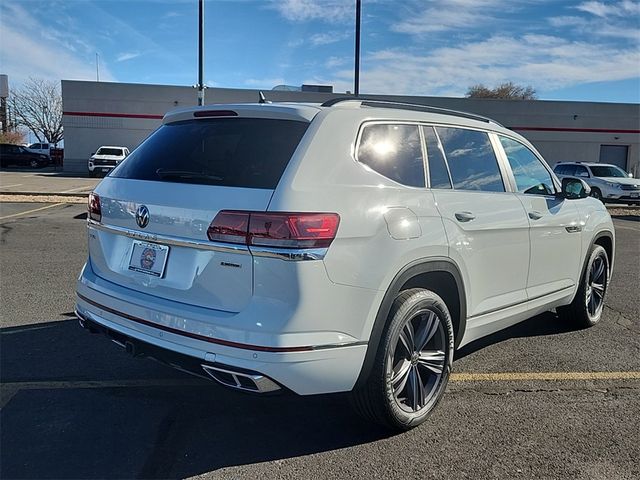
629,218
154,430
145,431
546,323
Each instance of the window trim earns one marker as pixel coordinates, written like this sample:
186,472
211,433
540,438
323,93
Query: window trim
512,179
444,157
363,165
505,182
505,179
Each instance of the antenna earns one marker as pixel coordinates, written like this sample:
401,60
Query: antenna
262,98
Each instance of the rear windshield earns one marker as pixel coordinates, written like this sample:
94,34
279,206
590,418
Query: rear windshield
230,152
109,151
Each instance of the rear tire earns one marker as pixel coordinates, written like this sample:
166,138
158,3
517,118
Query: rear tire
412,364
588,304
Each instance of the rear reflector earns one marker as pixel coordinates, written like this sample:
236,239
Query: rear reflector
95,211
279,230
215,113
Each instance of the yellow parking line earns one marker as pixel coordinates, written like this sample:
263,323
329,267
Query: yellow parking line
31,211
524,376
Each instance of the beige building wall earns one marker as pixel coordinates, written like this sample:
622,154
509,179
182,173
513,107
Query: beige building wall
103,113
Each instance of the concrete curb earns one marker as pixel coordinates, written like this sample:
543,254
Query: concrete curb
48,194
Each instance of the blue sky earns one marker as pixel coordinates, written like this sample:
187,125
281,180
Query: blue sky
566,50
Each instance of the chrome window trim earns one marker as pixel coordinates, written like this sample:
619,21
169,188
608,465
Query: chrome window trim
170,240
288,254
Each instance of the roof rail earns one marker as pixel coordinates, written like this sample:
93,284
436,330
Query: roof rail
368,102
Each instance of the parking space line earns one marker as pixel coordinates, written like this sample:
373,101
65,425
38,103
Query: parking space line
544,376
76,189
9,186
31,211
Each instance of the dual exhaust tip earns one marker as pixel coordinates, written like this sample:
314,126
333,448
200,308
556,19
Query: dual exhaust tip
250,382
246,381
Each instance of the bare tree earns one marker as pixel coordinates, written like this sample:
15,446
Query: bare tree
14,137
38,106
507,90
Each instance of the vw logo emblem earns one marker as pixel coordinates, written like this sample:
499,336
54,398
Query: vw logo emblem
142,216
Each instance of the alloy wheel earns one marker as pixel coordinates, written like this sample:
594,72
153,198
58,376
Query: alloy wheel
596,286
417,362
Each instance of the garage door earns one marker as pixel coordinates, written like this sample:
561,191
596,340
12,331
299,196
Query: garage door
615,154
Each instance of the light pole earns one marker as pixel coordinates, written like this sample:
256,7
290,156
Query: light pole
200,85
356,76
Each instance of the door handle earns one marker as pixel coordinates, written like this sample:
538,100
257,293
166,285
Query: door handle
533,215
465,216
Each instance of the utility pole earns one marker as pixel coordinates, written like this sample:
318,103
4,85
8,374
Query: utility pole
200,85
356,76
97,69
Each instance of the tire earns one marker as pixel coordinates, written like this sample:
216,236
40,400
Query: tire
415,350
34,163
586,308
597,194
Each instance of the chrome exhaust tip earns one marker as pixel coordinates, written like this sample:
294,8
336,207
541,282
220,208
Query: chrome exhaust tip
241,381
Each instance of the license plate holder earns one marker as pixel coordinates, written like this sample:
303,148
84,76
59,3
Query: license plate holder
148,258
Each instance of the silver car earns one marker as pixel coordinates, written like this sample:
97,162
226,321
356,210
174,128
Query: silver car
608,183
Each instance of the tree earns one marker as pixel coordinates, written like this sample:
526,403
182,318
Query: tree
37,105
507,90
14,137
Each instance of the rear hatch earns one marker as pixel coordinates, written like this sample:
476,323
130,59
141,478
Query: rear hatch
180,178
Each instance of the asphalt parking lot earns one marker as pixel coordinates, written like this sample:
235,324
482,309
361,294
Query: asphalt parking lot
539,400
44,180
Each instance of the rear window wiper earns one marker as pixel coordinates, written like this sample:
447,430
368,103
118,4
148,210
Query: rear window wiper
187,175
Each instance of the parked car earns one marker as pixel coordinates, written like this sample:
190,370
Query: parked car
351,246
41,148
608,182
106,158
16,155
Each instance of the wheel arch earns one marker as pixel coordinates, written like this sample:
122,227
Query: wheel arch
440,275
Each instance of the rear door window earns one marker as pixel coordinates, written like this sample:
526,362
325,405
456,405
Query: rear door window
472,161
394,151
230,152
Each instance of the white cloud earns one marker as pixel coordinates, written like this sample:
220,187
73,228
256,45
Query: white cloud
611,8
30,48
427,17
543,61
124,56
323,10
327,38
333,62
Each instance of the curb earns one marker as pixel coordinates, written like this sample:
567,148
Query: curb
48,194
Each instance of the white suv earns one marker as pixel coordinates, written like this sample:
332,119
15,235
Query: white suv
345,247
608,182
106,159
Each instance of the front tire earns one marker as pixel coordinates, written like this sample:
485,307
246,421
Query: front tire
412,364
597,194
588,304
34,164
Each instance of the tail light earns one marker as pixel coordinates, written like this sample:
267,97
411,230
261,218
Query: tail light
95,212
280,230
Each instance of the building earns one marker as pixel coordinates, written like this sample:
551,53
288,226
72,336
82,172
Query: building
102,113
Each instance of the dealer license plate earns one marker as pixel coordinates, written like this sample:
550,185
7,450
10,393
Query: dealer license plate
149,258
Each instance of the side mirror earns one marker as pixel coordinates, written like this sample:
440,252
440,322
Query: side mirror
574,188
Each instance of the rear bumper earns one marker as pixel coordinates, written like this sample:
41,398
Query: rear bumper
301,365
